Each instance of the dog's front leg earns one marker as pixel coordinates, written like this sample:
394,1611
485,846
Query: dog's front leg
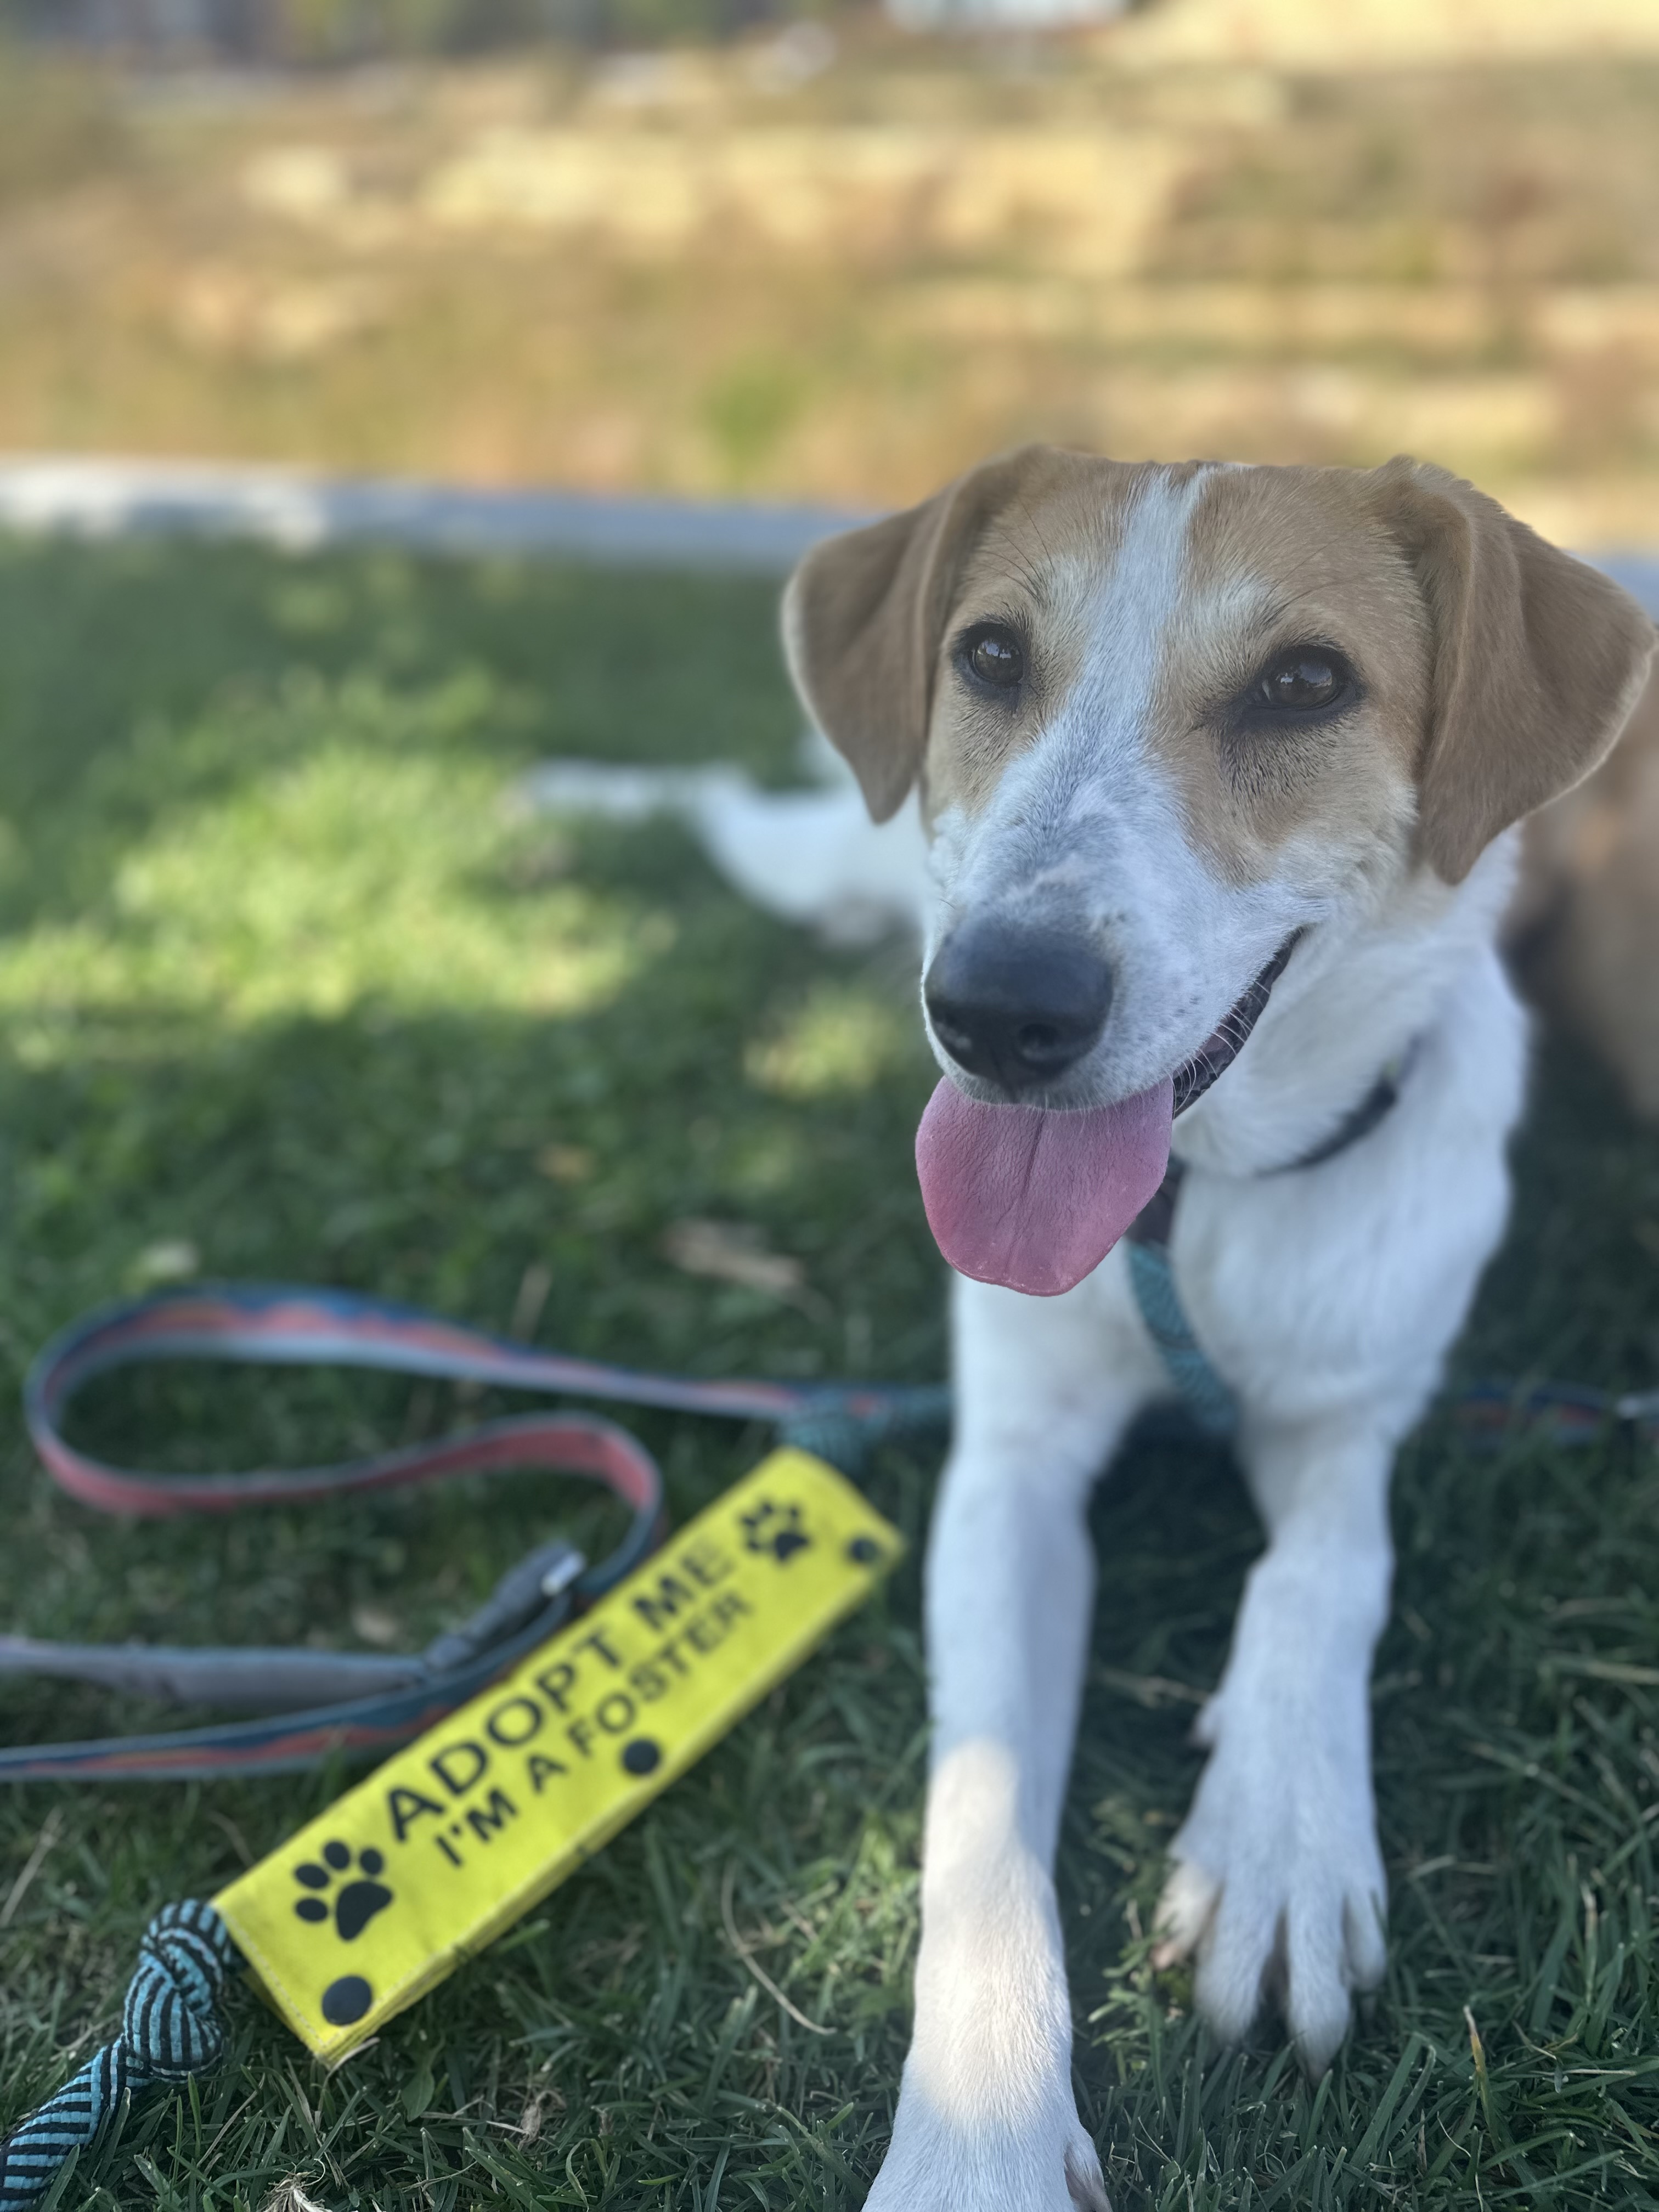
986,2121
1278,1876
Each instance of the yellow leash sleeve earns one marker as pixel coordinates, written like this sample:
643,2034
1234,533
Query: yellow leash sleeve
441,1850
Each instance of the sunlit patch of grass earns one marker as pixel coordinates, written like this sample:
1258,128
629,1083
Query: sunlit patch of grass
352,875
842,1038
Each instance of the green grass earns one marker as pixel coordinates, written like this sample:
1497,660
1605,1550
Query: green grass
282,980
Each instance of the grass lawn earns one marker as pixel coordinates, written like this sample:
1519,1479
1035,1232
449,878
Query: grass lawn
283,981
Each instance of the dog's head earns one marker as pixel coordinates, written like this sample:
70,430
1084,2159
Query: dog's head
1163,720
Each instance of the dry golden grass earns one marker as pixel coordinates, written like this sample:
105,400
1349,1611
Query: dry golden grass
1191,234
1348,34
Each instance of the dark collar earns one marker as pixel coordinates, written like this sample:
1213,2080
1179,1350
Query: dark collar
1378,1102
1152,1224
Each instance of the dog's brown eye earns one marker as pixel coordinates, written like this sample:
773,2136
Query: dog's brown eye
1303,679
991,652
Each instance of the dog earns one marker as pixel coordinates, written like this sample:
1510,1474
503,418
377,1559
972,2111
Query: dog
1221,770
1582,930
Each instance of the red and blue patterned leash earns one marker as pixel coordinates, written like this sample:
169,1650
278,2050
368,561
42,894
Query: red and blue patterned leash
312,1704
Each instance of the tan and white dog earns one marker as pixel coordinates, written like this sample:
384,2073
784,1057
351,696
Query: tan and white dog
1221,768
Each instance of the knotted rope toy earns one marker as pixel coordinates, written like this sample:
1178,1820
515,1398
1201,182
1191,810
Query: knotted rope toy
171,2028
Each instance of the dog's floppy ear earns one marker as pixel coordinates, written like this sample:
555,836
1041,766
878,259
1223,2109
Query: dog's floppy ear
1539,661
863,617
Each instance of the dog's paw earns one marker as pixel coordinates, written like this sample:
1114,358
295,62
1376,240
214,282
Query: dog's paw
939,2162
1278,1884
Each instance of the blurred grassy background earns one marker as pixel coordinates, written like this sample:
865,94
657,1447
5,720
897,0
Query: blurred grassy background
820,258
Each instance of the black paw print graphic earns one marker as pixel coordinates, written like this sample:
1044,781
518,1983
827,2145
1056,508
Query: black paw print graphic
353,1906
776,1529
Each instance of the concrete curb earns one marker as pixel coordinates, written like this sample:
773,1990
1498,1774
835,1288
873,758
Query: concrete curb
99,498
1637,572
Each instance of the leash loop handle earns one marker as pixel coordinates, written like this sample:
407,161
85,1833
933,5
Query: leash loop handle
287,1325
317,1703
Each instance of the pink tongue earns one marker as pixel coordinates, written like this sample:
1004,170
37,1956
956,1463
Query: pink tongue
1034,1200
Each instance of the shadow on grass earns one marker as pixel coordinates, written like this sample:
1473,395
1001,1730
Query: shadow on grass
282,984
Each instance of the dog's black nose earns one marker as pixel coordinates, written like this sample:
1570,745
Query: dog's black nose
1017,1007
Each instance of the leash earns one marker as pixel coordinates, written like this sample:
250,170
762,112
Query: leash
315,1704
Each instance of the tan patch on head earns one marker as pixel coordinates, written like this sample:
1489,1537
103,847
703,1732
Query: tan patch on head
1031,568
1271,558
866,614
1278,558
1038,565
1491,670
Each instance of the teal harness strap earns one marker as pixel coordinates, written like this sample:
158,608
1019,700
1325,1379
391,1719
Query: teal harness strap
1203,1393
1204,1396
1201,1389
